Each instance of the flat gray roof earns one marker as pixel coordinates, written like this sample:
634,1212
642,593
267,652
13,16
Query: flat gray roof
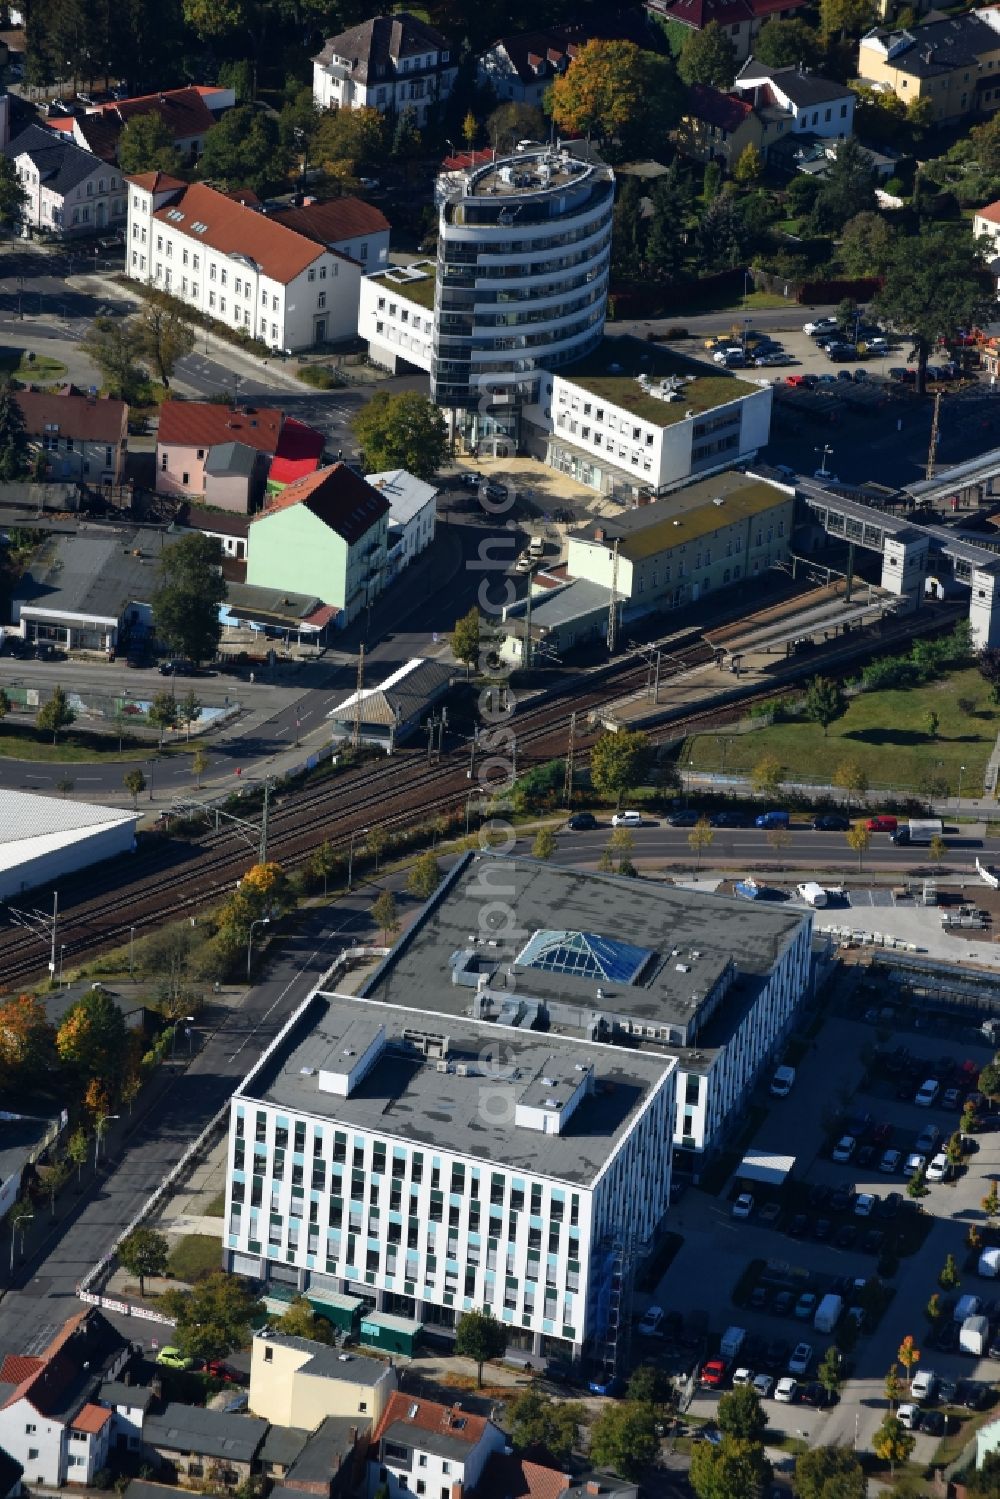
404,1095
576,600
18,1138
96,575
695,943
327,1362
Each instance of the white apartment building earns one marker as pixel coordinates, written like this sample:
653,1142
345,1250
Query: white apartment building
428,1164
389,63
632,418
798,98
238,266
412,515
423,1450
70,191
396,316
709,980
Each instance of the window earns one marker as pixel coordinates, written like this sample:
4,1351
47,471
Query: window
322,273
269,1355
321,299
312,273
195,262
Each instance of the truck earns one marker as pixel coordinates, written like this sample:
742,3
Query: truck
772,820
732,1341
812,893
536,547
828,1313
974,1336
919,830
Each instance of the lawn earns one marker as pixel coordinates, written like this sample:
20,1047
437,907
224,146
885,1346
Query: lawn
217,1207
884,732
18,363
195,1256
23,744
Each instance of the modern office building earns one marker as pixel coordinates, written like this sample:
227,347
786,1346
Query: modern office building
524,247
434,1165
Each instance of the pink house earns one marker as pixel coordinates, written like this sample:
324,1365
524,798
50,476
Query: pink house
217,455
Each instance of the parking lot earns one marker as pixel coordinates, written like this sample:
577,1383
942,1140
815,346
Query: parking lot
813,1241
801,350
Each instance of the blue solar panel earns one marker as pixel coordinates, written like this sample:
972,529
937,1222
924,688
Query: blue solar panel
584,955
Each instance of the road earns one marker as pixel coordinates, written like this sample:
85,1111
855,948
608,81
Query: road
45,1293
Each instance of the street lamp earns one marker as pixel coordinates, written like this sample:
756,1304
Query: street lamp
19,1226
62,950
173,1041
99,1130
961,773
264,921
350,858
826,450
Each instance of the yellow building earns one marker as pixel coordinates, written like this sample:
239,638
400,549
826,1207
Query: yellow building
296,1382
954,63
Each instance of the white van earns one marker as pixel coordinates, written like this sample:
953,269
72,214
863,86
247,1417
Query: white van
811,893
782,1081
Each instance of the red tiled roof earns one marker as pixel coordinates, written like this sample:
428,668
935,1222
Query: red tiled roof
321,616
47,1364
992,215
299,450
337,497
727,111
508,1476
281,253
155,182
183,109
17,1367
220,522
202,424
90,1418
463,160
428,1415
340,218
99,420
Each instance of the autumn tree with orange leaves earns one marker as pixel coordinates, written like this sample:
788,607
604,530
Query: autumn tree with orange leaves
92,1039
622,97
26,1040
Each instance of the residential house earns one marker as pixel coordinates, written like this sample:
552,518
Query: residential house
331,1463
11,1473
70,191
325,534
197,1445
741,20
239,266
412,515
129,1405
299,452
389,63
797,99
280,1451
717,126
295,1381
508,1475
219,455
50,1421
83,437
954,63
423,1448
523,66
229,530
986,222
188,113
349,226
89,590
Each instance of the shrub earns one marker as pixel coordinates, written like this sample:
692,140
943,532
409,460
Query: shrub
320,377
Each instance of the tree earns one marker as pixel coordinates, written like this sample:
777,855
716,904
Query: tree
892,1442
384,914
934,286
649,1385
164,334
376,839
4,704
701,837
57,1174
740,1414
13,198
830,1372
627,98
544,845
406,136
846,190
624,1439
937,848
112,343
893,1386
189,711
162,713
991,1202
948,1276
55,714
866,244
848,776
465,639
932,723
845,16
954,1150
767,776
77,1151
513,122
536,1421
784,43
300,1321
707,56
92,1038
731,1470
917,1187
909,1356
143,1252
932,1311
829,1473
350,141
470,130
146,144
26,1041
824,702
989,1080
214,1317
245,150
13,434
424,876
618,762
749,165
402,431
859,839
64,786
480,1336
135,784
186,601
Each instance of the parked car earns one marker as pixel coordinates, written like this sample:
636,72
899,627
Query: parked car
822,1229
923,1384
684,819
786,1390
928,1139
817,1396
890,1205
882,823
831,822
730,819
873,1241
801,1358
842,1200
759,1297
582,822
173,1358
713,1373
844,1149
865,1158
908,1417
627,820
820,325
763,1384
783,1303
974,1395
914,1162
927,1093
864,1204
798,1225
939,1169
652,1321
805,1306
743,1206
952,1098
846,1236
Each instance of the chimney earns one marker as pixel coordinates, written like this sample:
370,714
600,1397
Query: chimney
598,533
592,1486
